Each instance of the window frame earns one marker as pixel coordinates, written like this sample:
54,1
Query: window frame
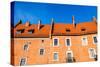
27,43
66,42
93,39
27,47
69,52
86,41
53,42
31,31
43,52
25,61
20,31
90,53
57,56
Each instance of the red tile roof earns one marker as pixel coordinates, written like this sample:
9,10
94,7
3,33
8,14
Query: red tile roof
59,29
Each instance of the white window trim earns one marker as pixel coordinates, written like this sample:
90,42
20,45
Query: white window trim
57,56
69,52
86,41
25,60
93,39
66,42
43,53
53,42
90,54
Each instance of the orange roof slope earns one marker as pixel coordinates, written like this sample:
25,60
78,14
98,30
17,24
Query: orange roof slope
59,29
55,29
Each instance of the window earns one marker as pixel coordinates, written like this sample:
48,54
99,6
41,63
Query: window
25,47
19,31
84,41
41,51
83,29
68,42
95,40
55,56
69,56
92,53
22,62
31,31
55,42
67,30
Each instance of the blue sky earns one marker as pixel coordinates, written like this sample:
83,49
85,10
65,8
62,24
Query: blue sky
32,11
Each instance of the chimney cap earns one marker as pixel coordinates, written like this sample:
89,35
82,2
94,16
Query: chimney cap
52,20
39,21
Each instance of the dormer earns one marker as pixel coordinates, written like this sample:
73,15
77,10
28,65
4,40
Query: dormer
67,30
19,31
31,31
83,29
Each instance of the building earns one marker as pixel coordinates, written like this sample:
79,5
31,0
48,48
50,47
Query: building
54,43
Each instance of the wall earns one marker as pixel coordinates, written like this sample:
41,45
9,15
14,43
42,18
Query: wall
80,52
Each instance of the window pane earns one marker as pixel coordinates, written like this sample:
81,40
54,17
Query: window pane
25,47
55,42
69,55
84,41
95,39
41,51
30,32
22,62
92,53
55,56
68,42
18,32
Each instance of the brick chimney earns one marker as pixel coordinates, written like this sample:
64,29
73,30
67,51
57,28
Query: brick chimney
52,25
39,24
27,24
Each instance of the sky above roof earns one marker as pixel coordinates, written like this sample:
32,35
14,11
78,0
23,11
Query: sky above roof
61,13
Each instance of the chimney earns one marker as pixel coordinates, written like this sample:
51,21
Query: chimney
39,24
73,21
94,19
27,24
51,28
52,21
